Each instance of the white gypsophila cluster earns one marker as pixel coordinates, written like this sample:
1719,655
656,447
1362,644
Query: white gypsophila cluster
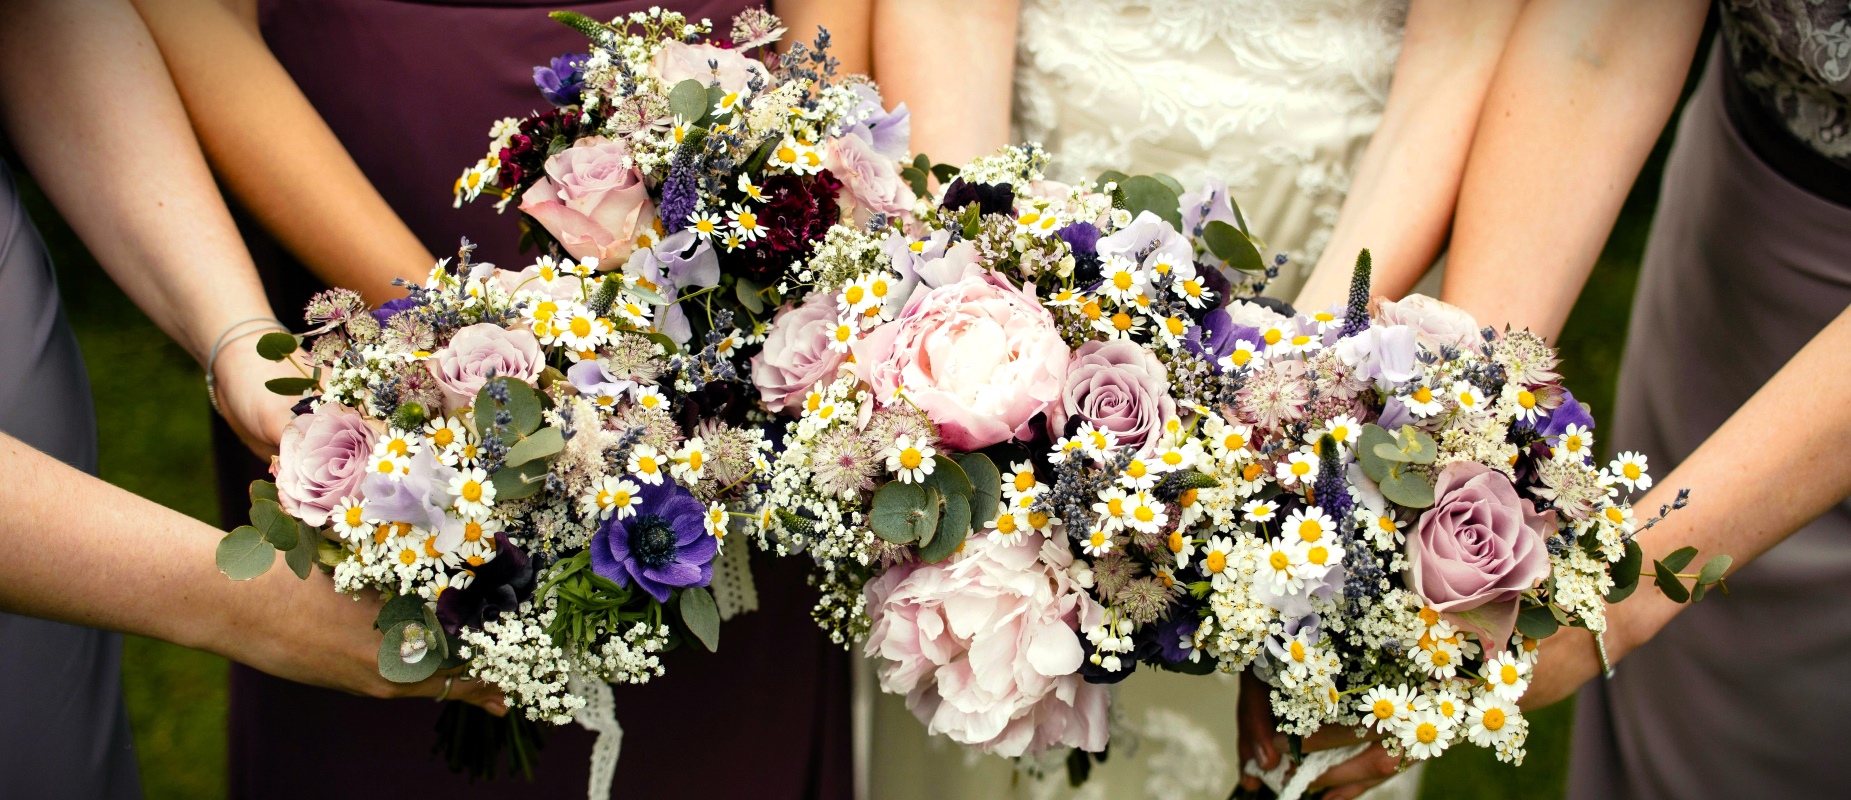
844,255
629,657
518,656
1018,165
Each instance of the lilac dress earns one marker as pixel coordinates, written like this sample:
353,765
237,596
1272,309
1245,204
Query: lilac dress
410,88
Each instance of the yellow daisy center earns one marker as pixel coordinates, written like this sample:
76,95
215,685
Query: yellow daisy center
1427,733
1310,530
1494,719
1216,561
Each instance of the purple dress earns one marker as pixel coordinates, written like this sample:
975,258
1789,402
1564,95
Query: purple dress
410,88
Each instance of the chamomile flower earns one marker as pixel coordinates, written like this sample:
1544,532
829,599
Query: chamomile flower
1038,223
910,461
1122,279
1620,517
752,191
1281,567
1303,343
1343,428
647,464
1425,734
1521,403
1096,442
1181,546
1145,513
1066,446
1383,708
1140,474
1469,399
1193,292
1174,458
1441,660
1325,320
716,518
1507,676
1020,480
1299,468
1112,508
447,436
1383,528
856,297
1170,330
690,462
648,397
843,334
1005,528
744,221
1422,402
610,495
1260,511
1120,324
1576,442
707,224
474,493
1629,468
1310,525
392,454
1240,358
1097,544
1217,561
349,521
732,241
1228,443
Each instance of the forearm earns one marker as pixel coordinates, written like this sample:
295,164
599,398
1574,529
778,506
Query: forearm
1774,466
95,117
952,62
1579,98
276,154
850,25
1400,203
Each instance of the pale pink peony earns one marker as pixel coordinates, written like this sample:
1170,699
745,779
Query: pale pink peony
481,351
592,200
1118,386
678,61
1477,549
872,181
985,647
980,357
1435,322
322,460
797,355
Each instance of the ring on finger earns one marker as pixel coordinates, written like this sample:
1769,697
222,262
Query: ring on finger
448,681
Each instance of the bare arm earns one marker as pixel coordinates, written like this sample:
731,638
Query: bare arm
953,63
850,24
1400,204
274,151
132,182
1583,90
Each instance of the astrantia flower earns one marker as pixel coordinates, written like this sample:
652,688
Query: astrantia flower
909,460
1629,469
1275,395
842,463
664,546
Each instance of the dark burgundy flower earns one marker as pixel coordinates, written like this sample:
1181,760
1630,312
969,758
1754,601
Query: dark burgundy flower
501,584
798,210
991,198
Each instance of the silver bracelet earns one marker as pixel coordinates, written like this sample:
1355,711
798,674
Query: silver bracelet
227,338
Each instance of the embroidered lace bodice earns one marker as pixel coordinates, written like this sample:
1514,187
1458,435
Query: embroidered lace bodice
1277,97
1795,58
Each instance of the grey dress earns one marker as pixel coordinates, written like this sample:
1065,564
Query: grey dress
1744,695
64,732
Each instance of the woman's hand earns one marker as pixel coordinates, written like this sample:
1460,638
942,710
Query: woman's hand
1261,742
257,414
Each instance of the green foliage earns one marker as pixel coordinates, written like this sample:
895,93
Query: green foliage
1227,243
899,513
1145,193
291,387
277,345
700,615
1386,460
1626,573
544,443
523,405
277,527
409,416
401,608
1537,622
986,488
592,28
746,291
243,554
952,528
401,660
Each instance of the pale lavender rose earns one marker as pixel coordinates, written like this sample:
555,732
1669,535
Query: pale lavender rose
479,352
797,355
985,647
979,356
1477,549
678,61
592,200
1150,237
1384,354
872,181
1118,386
322,460
1435,322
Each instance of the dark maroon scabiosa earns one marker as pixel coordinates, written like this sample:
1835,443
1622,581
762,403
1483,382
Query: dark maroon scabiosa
991,198
798,210
663,546
499,586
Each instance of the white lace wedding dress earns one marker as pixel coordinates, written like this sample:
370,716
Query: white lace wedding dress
1278,98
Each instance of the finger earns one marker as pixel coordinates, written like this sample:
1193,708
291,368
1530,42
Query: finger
1328,737
1353,790
468,690
1372,764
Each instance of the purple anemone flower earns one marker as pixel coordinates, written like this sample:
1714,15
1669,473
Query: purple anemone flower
663,546
1217,335
561,82
1570,412
385,310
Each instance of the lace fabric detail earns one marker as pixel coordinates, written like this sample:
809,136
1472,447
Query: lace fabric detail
1277,98
1795,57
600,717
734,592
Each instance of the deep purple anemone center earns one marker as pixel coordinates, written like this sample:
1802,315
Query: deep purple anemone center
652,540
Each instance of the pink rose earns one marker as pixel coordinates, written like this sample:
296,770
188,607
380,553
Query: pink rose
978,356
797,354
677,62
321,461
1435,322
592,200
1121,387
1477,549
478,352
985,647
873,181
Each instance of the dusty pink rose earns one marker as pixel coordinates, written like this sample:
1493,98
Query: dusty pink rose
592,200
478,352
321,461
873,181
677,62
978,356
1121,387
797,354
1435,322
984,647
1477,549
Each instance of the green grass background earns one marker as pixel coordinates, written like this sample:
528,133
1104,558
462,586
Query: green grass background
152,424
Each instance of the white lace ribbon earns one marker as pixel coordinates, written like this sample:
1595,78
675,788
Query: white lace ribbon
600,717
734,592
1315,764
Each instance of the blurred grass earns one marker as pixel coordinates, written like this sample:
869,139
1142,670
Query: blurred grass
152,440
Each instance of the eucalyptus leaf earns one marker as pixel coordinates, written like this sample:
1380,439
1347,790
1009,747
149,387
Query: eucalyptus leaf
263,489
1389,452
401,608
514,483
1227,243
746,291
1407,488
915,178
1626,573
1668,582
688,101
986,488
1680,558
243,554
1415,442
277,345
1173,184
1374,466
329,554
922,162
953,527
944,172
393,665
925,523
1113,176
277,527
892,512
1536,622
301,558
1714,568
949,478
291,387
702,617
1145,193
523,406
544,443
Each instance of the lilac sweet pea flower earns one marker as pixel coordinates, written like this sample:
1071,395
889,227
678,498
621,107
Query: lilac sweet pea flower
664,546
418,498
1211,204
591,380
672,267
561,82
1148,233
889,133
1382,353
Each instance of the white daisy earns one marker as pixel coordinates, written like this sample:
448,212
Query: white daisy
647,464
1507,675
744,222
1629,468
1425,734
610,495
707,224
1280,568
1240,358
1145,513
1299,468
1422,402
1122,279
1309,525
910,461
1576,442
1098,544
1260,510
690,462
1343,428
1469,399
349,521
1217,555
474,493
1491,721
1382,708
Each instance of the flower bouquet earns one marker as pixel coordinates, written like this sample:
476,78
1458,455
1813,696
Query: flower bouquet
538,484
